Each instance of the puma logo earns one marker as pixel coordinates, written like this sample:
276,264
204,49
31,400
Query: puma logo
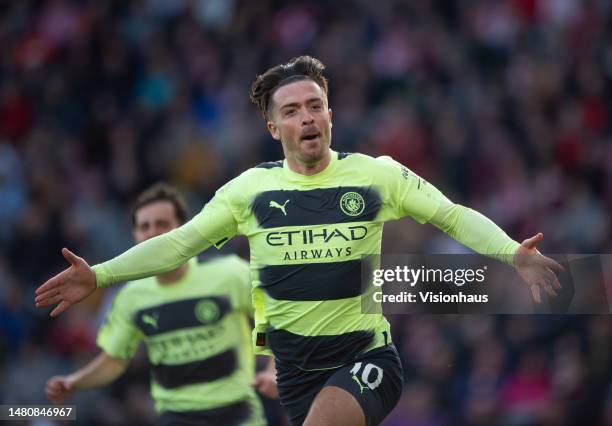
361,387
278,206
151,319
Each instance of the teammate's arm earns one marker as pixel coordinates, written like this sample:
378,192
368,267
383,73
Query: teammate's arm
265,380
101,371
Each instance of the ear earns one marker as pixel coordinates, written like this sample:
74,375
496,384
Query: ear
330,116
273,130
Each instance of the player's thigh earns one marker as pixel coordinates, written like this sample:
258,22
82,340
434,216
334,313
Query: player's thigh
334,406
297,390
375,382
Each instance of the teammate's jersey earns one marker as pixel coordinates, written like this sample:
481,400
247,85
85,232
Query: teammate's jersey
196,332
307,236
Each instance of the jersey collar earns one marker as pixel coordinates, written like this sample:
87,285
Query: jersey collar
290,174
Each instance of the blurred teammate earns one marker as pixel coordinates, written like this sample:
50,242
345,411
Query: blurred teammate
194,322
309,219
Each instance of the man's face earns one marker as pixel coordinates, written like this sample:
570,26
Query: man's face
154,219
301,120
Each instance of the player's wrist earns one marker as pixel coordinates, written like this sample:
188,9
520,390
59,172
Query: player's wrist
513,255
99,276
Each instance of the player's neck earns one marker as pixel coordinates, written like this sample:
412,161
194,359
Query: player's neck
173,276
309,169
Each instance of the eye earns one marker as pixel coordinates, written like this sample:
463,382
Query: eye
317,107
289,112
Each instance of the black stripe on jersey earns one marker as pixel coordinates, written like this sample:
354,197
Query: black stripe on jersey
228,415
312,281
202,371
280,208
182,314
221,241
312,352
270,165
343,155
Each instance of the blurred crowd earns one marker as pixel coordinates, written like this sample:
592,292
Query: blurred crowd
504,105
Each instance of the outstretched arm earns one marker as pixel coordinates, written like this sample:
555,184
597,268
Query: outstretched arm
99,372
151,257
409,194
479,233
214,225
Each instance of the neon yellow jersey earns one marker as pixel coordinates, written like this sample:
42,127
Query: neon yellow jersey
307,235
196,332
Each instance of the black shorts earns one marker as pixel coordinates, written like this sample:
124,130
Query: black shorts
375,379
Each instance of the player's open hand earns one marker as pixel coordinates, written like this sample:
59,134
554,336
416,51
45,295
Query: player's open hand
265,384
58,389
537,271
70,286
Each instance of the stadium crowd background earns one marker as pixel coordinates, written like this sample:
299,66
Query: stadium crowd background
504,105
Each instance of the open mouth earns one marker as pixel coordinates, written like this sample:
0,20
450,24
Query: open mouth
310,136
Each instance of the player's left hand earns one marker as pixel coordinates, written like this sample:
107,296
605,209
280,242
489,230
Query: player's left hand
265,384
536,270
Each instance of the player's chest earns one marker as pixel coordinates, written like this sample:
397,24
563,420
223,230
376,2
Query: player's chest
342,204
182,314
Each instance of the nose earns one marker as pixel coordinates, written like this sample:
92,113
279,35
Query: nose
153,232
157,232
307,117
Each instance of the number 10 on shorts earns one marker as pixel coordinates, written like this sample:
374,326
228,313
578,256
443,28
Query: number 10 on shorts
371,376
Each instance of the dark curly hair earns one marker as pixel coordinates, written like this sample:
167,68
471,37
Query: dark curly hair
300,68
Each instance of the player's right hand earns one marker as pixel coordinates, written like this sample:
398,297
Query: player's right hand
58,389
70,286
